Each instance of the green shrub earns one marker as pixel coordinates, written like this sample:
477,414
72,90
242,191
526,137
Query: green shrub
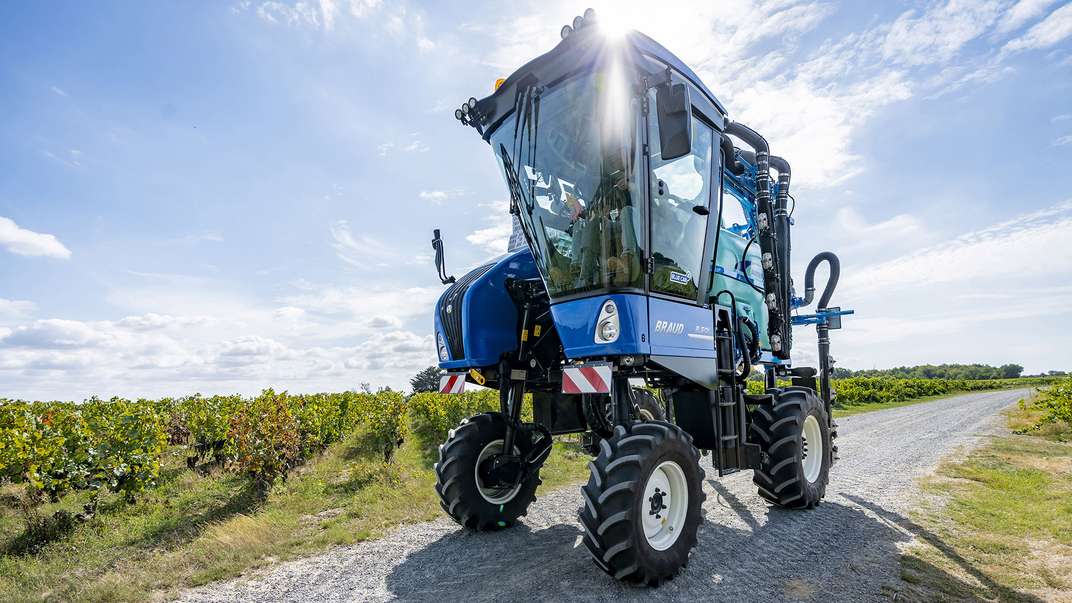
127,439
207,421
432,415
44,446
854,391
1056,402
385,419
263,440
318,421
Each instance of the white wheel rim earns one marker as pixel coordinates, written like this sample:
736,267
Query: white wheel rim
664,506
811,448
495,496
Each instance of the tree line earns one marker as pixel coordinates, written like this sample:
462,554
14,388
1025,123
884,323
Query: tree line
969,372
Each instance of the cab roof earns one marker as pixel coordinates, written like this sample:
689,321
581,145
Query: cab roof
582,47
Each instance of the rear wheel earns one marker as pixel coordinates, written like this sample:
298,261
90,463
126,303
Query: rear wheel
464,492
642,502
795,434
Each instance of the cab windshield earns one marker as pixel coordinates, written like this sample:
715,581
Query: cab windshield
570,157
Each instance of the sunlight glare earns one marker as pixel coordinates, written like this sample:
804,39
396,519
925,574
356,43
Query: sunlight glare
612,25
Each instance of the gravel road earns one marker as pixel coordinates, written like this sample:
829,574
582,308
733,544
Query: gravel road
845,550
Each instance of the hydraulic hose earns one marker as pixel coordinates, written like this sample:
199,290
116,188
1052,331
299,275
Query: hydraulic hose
831,281
776,308
781,234
731,159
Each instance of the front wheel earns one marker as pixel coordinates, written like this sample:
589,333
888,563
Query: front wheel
642,502
795,434
463,491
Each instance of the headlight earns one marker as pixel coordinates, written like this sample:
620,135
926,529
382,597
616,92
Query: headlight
608,331
443,357
607,326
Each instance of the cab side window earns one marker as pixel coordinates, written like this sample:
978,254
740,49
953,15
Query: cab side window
680,198
734,218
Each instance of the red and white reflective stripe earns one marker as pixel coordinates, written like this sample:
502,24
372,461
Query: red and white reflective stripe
452,383
587,379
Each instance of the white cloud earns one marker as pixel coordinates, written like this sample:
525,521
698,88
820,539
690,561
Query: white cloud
249,349
362,251
434,196
859,238
362,8
29,243
390,303
55,333
15,308
193,239
1051,30
328,14
412,145
1009,249
289,313
415,146
494,238
439,196
1063,141
937,34
242,348
329,10
1024,11
152,321
299,13
58,91
810,105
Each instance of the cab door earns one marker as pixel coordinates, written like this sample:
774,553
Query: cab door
680,196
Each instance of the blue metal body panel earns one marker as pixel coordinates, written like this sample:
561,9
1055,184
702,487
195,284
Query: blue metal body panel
489,317
681,329
576,319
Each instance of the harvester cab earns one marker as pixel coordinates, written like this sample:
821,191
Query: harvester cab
655,279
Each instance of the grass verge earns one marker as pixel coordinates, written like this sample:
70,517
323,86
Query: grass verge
199,527
998,526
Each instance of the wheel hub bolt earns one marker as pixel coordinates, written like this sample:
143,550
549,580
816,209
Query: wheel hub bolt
656,502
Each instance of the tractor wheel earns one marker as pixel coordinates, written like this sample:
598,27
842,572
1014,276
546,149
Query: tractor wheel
795,434
642,502
462,492
647,406
597,410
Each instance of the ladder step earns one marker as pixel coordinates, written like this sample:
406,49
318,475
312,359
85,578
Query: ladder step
728,438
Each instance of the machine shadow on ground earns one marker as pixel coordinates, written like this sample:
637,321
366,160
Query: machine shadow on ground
824,554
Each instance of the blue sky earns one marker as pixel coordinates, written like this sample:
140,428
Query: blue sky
221,197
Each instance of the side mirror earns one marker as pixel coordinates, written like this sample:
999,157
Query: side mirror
674,111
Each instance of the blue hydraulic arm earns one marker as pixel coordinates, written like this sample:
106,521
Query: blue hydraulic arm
825,318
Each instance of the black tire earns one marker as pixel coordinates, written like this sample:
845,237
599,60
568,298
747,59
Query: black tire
778,429
646,407
456,480
614,505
